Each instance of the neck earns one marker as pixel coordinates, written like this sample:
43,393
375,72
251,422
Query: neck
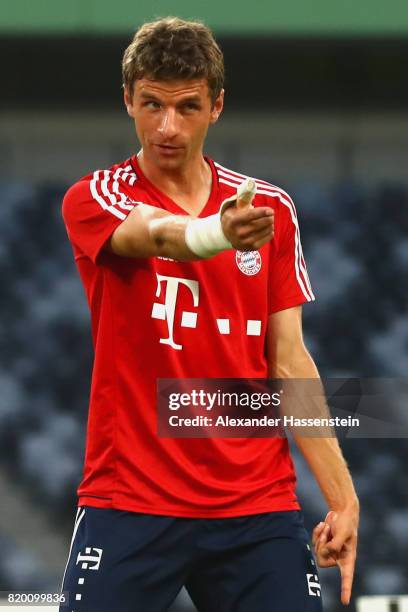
183,181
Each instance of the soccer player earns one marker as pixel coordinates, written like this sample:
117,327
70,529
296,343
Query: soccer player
180,285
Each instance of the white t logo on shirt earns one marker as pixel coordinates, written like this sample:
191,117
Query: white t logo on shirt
166,311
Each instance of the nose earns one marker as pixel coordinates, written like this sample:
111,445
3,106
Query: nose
168,123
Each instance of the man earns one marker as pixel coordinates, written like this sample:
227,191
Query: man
179,288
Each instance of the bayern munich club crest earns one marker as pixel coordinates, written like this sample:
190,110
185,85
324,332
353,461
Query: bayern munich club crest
249,262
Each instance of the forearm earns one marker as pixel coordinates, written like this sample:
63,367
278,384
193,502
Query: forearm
189,238
152,232
326,461
323,454
167,237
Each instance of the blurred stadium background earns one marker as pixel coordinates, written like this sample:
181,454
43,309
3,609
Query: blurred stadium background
316,102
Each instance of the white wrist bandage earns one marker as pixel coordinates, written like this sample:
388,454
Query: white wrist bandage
205,237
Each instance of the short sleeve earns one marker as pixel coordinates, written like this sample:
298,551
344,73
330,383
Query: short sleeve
93,208
289,283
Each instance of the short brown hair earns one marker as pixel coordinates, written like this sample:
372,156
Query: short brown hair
171,48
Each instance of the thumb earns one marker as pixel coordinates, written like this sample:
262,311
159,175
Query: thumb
339,536
246,193
336,544
331,517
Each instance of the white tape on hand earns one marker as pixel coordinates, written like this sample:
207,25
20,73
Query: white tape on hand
205,237
246,193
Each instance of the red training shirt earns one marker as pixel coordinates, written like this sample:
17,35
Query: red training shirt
158,318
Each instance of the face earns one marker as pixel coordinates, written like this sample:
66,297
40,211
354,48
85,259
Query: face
172,119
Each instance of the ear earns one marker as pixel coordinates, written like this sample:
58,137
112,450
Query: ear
128,99
217,107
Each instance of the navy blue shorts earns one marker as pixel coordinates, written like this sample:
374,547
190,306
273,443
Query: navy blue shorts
128,562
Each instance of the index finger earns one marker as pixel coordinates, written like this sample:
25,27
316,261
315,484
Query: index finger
347,575
257,212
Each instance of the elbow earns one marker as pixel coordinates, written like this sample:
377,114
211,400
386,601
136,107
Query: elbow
294,364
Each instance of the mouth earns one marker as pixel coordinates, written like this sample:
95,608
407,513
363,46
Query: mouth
167,150
168,147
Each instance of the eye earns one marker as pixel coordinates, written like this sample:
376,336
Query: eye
191,106
152,104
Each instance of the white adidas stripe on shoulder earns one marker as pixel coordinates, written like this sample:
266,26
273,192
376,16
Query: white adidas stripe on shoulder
233,179
127,174
237,176
121,173
105,190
